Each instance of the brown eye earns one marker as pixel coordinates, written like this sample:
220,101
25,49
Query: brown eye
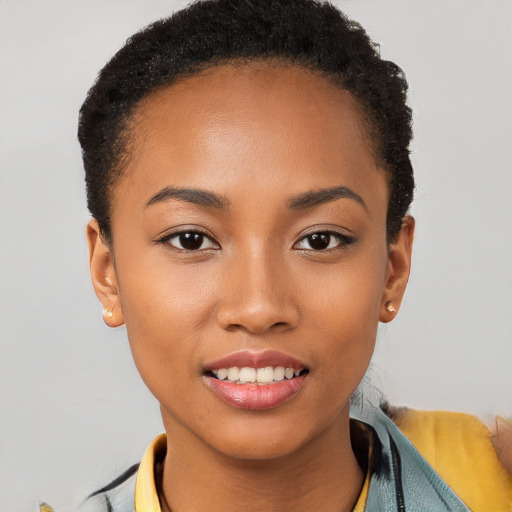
319,241
191,241
323,241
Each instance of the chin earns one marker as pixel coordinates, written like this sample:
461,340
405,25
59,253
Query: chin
260,447
266,436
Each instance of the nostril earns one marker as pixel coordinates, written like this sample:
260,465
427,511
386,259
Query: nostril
256,316
233,327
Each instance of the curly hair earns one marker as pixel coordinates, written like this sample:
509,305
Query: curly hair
310,34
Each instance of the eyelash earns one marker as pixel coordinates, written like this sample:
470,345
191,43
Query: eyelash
342,239
177,234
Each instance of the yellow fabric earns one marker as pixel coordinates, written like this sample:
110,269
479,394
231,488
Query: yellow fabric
361,501
458,446
146,497
44,507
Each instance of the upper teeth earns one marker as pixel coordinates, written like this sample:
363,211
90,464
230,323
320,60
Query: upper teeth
260,375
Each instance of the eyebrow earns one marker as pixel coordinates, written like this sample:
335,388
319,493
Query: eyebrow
325,195
208,199
190,195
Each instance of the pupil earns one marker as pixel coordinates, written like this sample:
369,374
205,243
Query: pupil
319,241
191,241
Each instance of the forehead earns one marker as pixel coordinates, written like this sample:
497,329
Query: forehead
253,92
286,126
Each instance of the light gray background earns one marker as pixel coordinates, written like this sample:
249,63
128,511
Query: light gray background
73,410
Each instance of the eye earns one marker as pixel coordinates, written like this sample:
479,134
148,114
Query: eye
190,241
323,241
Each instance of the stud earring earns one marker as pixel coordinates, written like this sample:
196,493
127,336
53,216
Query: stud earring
108,312
390,307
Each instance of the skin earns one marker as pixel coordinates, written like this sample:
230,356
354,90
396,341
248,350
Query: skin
259,135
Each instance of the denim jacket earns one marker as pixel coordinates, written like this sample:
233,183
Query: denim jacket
401,479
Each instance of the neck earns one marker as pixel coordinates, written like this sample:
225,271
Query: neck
322,476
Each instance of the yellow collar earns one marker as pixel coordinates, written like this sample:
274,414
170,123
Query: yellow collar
146,496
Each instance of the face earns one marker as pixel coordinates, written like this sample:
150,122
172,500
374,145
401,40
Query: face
249,232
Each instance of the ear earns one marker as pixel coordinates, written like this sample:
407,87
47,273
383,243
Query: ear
103,275
397,274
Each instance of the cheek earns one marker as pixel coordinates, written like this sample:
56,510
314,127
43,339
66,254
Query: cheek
164,312
343,307
349,293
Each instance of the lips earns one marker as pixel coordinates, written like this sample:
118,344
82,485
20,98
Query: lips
256,381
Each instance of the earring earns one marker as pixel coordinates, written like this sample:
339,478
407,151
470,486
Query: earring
390,307
108,312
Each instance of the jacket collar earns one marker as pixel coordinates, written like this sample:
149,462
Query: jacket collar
401,479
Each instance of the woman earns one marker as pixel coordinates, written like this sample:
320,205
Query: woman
248,173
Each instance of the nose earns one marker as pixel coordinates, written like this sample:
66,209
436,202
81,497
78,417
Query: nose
258,296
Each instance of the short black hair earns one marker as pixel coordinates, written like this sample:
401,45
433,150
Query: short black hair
310,34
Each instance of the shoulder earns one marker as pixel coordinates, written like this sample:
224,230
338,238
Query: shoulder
135,488
464,453
117,496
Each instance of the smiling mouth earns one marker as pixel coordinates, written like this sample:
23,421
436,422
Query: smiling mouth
262,376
